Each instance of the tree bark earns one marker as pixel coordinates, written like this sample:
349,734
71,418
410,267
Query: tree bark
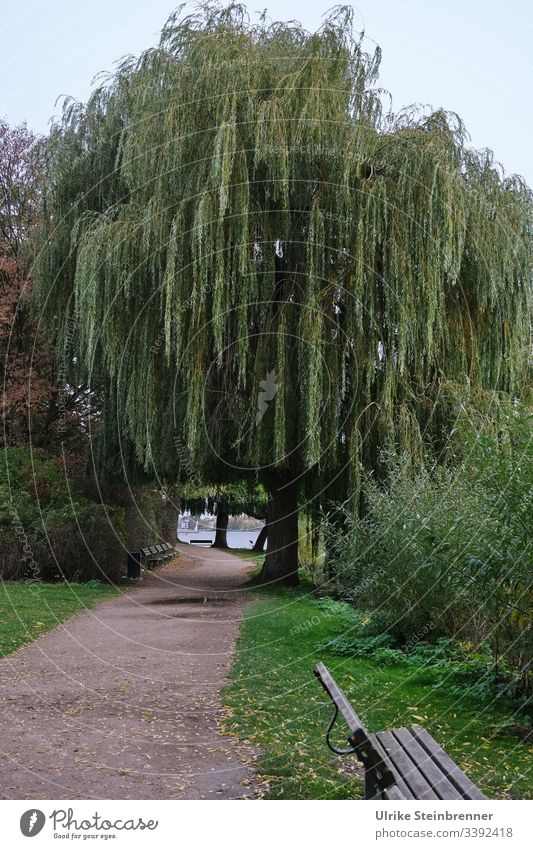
221,539
281,561
259,544
336,519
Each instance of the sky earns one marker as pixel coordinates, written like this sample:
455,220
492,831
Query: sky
474,57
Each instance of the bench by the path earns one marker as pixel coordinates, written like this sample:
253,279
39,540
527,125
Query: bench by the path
157,553
151,554
405,763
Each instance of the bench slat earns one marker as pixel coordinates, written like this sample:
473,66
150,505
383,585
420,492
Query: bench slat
426,765
417,783
456,776
400,790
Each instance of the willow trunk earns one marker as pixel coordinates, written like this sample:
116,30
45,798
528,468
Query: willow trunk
259,544
221,533
281,561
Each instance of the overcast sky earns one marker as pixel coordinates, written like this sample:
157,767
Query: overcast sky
471,56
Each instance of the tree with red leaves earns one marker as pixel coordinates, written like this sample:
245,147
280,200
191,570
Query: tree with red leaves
38,404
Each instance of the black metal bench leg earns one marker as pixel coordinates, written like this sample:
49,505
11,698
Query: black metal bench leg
372,788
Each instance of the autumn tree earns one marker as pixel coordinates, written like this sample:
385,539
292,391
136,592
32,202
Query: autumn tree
269,271
38,404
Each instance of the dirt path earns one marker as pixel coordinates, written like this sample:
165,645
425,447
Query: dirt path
122,700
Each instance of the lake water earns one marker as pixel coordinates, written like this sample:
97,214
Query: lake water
236,539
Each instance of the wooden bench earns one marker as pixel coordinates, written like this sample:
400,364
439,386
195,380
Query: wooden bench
405,763
200,542
150,554
161,551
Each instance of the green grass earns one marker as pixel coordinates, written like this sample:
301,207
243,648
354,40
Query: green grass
28,610
248,554
256,557
275,702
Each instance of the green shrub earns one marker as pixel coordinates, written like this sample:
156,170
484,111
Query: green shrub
49,530
448,549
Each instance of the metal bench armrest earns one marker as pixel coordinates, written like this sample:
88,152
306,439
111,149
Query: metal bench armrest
361,742
358,733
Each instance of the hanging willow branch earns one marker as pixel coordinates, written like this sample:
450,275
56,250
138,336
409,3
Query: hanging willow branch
234,202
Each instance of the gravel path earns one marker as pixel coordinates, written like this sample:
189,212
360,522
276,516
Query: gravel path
122,701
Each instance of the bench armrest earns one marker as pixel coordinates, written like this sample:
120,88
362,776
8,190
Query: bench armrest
358,733
379,776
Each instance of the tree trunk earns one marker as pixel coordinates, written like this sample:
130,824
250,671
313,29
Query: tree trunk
281,561
259,544
336,521
221,539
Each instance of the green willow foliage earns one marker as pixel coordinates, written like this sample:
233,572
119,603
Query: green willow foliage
235,202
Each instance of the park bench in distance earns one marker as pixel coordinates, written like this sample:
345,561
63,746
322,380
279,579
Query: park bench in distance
162,551
151,554
405,763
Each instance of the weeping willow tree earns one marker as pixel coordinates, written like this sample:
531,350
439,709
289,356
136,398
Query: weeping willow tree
277,279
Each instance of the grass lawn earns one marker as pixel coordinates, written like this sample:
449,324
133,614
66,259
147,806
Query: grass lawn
275,702
28,610
247,554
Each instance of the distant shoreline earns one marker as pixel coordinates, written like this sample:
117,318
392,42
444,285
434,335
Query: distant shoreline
236,539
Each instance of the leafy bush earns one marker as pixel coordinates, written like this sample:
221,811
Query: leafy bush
448,549
457,667
49,530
